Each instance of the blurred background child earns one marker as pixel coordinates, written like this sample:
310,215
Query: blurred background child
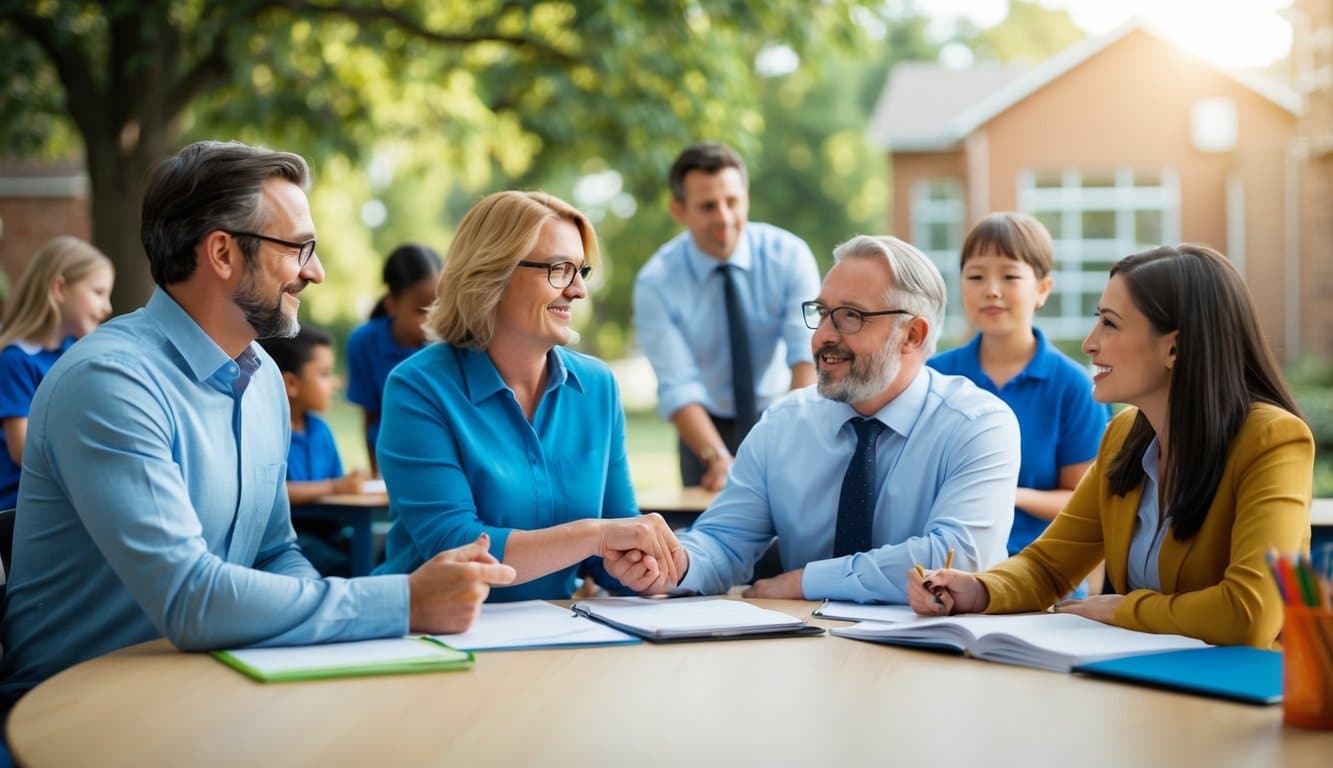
314,469
62,296
1006,264
392,333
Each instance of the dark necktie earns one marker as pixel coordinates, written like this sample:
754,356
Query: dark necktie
742,372
856,505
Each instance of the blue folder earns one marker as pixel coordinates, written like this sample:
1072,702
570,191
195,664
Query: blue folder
1236,672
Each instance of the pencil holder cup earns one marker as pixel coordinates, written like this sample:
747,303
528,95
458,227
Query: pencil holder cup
1307,667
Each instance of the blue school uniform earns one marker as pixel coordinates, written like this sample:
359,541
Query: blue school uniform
22,368
313,454
1060,422
371,355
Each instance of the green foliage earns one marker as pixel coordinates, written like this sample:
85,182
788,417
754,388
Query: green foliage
1030,33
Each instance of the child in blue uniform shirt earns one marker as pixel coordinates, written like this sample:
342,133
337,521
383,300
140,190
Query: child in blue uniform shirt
62,296
1006,266
392,333
314,469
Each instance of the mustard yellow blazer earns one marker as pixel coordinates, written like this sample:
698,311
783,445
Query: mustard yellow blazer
1215,586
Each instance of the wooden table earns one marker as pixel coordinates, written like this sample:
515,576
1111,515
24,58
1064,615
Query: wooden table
357,510
801,701
680,506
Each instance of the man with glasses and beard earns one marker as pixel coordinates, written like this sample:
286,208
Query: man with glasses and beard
152,501
883,465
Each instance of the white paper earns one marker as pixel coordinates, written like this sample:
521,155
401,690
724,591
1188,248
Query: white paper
374,485
302,657
688,617
531,624
846,611
1054,641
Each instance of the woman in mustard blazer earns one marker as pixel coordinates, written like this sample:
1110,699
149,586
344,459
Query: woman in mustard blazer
1210,468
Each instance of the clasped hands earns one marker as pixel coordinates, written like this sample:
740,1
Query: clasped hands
642,553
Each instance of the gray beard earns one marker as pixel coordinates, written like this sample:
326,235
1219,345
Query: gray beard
867,377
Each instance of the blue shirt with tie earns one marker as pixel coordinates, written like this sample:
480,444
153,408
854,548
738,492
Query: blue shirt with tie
153,503
460,458
680,317
945,472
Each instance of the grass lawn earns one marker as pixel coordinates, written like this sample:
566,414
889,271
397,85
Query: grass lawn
652,444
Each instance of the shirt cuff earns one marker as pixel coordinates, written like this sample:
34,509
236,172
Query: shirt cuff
383,605
823,579
672,399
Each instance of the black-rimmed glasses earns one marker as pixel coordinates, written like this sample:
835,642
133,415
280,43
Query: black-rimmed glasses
303,250
845,319
561,273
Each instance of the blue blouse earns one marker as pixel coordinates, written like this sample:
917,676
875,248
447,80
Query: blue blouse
459,457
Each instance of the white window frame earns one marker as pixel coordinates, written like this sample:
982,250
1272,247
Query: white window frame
1070,200
953,211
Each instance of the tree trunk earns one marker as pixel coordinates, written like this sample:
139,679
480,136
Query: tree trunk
117,182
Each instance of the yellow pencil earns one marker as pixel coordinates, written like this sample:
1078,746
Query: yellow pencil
948,561
920,571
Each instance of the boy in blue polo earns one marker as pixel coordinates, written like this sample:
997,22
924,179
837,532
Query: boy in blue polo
314,469
1006,266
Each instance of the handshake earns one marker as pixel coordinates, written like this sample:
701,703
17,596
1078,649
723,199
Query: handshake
642,553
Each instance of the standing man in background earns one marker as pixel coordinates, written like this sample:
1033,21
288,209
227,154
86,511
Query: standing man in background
717,312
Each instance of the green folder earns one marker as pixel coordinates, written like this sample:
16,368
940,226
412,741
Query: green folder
390,656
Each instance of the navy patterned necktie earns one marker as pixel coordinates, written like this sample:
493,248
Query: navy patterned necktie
742,371
856,505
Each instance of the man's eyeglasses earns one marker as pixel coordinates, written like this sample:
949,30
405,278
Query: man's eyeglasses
845,319
303,250
561,273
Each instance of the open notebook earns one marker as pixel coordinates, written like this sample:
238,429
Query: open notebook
1054,641
531,624
693,618
390,656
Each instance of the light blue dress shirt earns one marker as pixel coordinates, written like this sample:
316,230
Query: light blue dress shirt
1145,547
945,473
153,503
460,458
680,317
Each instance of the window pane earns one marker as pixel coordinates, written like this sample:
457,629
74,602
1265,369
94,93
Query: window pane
1048,180
1090,301
1094,180
939,236
941,189
1053,221
1054,305
1098,225
1148,227
1148,178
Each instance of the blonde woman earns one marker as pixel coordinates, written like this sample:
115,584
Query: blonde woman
500,430
62,296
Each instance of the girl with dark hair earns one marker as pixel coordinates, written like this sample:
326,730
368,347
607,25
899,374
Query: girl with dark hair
1210,468
393,332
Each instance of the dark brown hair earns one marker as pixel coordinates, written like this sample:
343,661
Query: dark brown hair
207,186
1223,366
1015,236
709,157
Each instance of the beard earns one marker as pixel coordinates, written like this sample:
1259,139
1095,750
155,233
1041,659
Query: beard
866,376
267,318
